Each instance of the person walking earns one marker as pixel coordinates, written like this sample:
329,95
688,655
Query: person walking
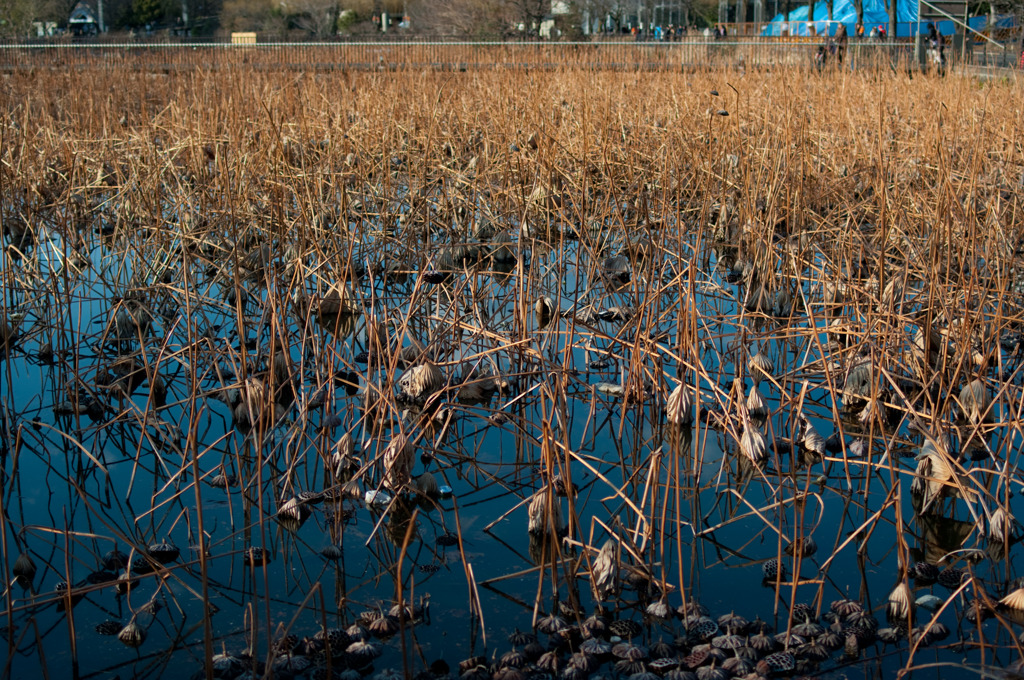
821,55
841,40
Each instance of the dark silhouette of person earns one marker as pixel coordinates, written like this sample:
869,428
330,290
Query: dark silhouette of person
841,39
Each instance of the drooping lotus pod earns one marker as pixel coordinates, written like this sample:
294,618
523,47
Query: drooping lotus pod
545,513
399,457
679,407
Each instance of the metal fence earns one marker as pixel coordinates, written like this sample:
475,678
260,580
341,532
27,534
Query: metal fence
988,55
693,53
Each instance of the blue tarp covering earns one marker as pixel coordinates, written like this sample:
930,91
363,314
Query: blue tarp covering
875,14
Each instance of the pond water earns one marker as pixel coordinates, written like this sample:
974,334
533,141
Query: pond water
177,412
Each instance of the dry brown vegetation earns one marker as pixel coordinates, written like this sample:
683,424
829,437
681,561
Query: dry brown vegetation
270,239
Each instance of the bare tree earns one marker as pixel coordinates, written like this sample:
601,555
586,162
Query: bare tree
251,15
53,10
467,18
707,10
318,17
530,12
649,17
599,11
18,16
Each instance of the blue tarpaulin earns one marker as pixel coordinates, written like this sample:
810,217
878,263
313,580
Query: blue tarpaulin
875,14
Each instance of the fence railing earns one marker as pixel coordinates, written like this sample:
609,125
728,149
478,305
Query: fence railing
690,53
1006,56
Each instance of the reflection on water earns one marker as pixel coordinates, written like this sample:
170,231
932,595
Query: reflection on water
382,442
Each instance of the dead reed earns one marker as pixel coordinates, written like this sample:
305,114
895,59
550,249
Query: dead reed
251,317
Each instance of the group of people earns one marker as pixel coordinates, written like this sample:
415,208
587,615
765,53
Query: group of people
835,46
832,47
673,32
669,33
877,32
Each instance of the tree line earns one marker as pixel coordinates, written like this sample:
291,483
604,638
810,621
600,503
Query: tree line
325,18
297,19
